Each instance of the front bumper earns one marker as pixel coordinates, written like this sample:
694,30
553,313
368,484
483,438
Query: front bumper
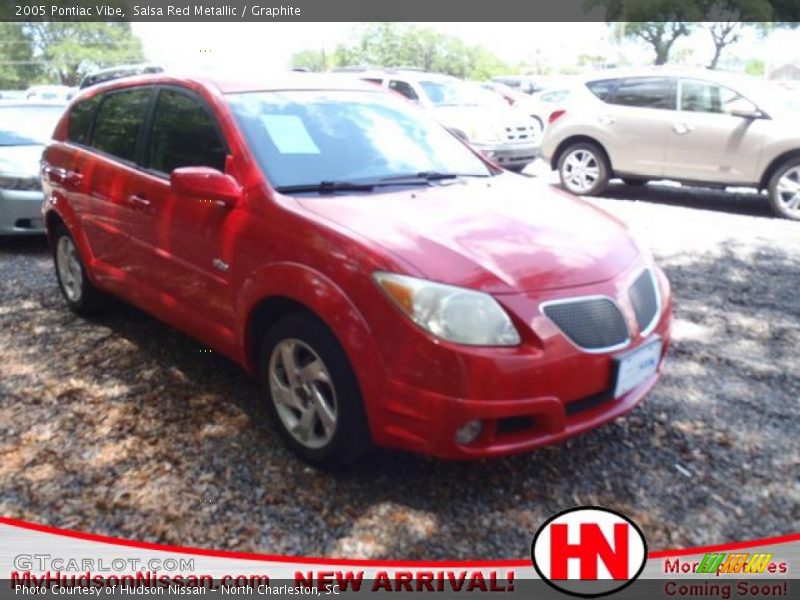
510,155
21,212
539,393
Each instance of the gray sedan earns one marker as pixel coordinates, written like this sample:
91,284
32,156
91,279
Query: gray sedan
24,129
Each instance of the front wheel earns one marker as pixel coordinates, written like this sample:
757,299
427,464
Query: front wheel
583,169
784,190
312,392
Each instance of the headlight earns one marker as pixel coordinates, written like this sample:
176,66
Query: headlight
451,313
22,183
484,133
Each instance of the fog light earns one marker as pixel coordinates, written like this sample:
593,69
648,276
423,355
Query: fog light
468,432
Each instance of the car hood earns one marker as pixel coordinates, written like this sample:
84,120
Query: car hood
20,161
501,235
464,118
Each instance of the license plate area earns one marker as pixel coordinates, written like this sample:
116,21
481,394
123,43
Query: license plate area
635,367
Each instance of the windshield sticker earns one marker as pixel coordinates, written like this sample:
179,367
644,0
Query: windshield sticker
289,134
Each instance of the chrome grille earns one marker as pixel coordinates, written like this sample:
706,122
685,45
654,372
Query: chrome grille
594,323
644,298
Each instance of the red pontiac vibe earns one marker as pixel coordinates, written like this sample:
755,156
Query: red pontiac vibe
386,283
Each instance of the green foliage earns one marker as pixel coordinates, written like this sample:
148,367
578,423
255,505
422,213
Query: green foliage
402,45
38,52
70,50
17,65
755,67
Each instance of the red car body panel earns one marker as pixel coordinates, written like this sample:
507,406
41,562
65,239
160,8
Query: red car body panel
525,244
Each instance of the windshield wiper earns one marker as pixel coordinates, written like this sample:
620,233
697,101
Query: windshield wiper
425,176
326,187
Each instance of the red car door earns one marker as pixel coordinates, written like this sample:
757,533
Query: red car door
110,215
191,269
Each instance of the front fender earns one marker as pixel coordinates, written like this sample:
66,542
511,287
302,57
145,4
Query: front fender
327,301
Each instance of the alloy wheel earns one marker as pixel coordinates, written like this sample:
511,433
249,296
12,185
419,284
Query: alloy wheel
69,268
788,191
581,170
303,393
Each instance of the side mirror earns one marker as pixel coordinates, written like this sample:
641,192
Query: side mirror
205,183
747,112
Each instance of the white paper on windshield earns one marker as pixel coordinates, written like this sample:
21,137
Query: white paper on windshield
289,134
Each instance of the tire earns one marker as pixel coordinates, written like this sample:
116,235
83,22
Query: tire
336,434
784,190
635,181
584,169
82,297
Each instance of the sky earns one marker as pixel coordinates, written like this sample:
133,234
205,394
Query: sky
268,47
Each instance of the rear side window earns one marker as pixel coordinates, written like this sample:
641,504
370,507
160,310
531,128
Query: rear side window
184,135
401,87
119,120
646,92
80,120
602,88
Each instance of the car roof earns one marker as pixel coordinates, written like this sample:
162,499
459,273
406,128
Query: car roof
389,72
228,85
722,77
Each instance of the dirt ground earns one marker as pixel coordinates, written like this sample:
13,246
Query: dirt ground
122,426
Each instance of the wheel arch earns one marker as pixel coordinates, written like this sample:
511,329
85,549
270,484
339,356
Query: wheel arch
776,164
285,288
577,139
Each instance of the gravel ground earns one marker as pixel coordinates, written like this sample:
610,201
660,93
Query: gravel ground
122,426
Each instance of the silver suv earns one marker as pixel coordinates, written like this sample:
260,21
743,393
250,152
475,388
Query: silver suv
694,126
505,135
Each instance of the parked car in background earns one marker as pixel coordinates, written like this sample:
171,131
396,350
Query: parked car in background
503,134
25,127
49,93
694,126
522,83
12,94
118,72
385,282
541,105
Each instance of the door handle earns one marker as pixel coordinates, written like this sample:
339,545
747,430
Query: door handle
605,119
137,200
55,174
682,128
74,178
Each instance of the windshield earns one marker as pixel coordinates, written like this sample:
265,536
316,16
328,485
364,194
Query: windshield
312,136
28,125
459,93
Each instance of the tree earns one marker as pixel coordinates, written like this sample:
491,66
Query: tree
17,65
402,45
70,50
728,18
661,23
313,60
658,23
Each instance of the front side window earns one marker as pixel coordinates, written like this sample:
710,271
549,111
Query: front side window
119,121
306,137
646,92
708,97
80,119
184,135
